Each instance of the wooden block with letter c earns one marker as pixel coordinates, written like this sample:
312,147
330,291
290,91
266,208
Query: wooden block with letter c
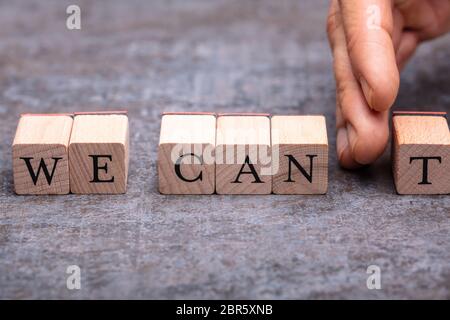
186,153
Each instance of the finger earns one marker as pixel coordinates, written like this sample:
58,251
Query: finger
342,73
361,132
343,147
428,19
407,47
366,130
368,26
398,28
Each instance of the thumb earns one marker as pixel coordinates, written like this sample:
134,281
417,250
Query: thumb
368,26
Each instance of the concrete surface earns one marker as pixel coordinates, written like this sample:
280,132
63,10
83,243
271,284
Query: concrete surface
154,56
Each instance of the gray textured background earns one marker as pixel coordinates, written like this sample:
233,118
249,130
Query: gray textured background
154,56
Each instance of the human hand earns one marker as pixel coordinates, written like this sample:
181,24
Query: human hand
371,41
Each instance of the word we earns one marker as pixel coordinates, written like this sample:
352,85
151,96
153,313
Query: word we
80,153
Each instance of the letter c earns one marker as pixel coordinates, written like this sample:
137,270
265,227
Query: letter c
178,168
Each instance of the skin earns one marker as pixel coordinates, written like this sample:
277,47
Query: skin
368,56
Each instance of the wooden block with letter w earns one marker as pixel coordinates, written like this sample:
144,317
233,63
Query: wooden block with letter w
40,154
421,152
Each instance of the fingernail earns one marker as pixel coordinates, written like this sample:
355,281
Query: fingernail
344,150
367,91
341,142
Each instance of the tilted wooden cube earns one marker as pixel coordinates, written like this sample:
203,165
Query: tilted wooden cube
421,153
98,153
299,155
243,156
40,154
186,153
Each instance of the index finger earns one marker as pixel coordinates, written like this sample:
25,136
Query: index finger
368,26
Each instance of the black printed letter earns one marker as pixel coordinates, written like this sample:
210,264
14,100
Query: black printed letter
178,168
291,160
96,168
252,171
425,167
42,165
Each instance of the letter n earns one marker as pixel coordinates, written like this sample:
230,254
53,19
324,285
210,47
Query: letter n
292,160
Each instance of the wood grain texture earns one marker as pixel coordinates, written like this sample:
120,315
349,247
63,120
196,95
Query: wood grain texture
98,154
242,138
190,139
421,154
302,139
42,138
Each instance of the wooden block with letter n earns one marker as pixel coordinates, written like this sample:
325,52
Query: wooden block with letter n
299,155
98,153
421,153
243,156
186,163
40,154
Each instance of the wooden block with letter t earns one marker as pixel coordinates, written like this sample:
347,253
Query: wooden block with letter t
98,153
421,153
186,163
299,155
243,156
40,154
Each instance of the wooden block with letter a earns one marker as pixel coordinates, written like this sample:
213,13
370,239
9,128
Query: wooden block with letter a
299,155
421,153
98,153
186,153
243,156
40,154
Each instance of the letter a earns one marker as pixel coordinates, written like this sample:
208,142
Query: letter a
73,21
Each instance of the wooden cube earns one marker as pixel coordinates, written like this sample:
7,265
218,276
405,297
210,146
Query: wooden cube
421,153
299,155
243,156
40,154
98,153
186,153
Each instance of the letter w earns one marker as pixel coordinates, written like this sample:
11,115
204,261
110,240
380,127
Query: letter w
43,166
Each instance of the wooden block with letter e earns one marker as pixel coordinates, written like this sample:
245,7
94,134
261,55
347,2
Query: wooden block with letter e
299,155
40,154
186,153
98,153
421,153
243,156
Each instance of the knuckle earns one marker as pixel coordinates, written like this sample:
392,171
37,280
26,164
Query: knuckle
331,23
